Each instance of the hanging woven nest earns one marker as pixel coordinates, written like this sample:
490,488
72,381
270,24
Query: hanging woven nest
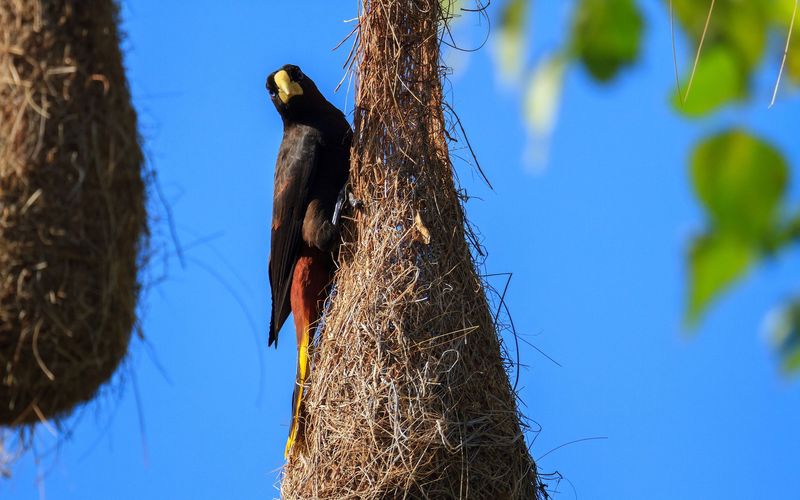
72,213
408,394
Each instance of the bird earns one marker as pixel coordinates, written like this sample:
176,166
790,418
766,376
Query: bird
311,172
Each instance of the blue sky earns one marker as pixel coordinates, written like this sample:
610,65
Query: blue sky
596,245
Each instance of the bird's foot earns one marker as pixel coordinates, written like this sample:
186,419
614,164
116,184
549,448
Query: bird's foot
354,202
345,196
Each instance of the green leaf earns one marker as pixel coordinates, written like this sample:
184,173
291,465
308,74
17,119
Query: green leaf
782,11
718,80
511,38
715,263
791,358
741,181
785,335
739,25
793,56
607,36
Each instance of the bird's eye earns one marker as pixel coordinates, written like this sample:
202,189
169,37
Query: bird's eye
298,75
271,93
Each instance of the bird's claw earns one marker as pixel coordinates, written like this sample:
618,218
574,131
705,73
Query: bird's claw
345,195
354,202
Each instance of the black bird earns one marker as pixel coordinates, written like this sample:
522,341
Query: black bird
312,168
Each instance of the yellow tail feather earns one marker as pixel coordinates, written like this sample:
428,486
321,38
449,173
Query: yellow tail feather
302,372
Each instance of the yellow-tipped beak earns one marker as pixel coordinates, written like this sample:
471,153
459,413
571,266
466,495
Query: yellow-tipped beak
286,87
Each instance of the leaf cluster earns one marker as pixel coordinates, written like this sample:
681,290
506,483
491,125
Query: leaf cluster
739,178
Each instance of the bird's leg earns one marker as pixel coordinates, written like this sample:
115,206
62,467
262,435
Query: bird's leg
337,211
320,228
345,196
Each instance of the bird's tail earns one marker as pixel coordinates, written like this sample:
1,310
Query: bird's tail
295,433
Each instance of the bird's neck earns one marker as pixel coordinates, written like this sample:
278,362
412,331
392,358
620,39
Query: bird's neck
328,121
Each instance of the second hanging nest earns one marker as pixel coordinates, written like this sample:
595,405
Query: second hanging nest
72,212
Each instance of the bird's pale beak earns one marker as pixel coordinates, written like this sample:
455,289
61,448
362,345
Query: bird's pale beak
286,87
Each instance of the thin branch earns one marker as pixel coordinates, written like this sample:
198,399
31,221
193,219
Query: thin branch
675,51
785,53
699,49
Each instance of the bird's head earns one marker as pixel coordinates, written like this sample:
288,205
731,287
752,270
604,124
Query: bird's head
293,93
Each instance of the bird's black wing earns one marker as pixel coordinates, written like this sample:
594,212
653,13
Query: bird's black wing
295,169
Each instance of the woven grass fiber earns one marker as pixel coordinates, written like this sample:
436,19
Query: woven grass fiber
72,213
408,394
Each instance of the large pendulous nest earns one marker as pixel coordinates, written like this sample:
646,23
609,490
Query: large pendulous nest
408,393
72,214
